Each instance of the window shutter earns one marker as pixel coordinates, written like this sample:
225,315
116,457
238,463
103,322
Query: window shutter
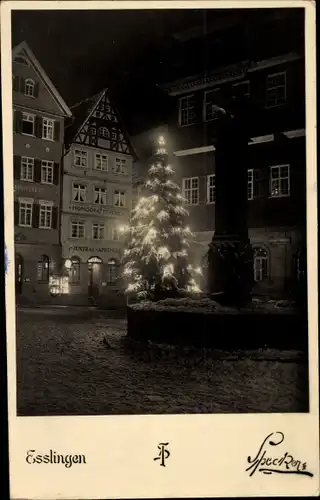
16,84
54,217
56,173
21,84
16,213
16,167
38,126
37,170
17,121
35,215
36,90
56,131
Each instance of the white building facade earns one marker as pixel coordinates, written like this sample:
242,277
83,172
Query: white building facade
96,203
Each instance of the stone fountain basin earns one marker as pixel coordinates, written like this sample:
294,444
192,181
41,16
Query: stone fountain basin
205,323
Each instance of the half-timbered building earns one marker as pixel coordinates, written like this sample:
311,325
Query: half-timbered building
38,136
97,192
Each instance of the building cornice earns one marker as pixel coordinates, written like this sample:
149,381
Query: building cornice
226,74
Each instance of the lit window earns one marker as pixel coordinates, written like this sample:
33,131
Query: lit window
254,183
25,213
47,129
27,166
120,166
119,199
101,162
187,114
29,87
74,273
77,229
46,172
112,271
190,190
211,188
276,89
27,124
100,196
98,231
260,264
209,106
104,132
79,192
45,216
280,181
43,268
80,158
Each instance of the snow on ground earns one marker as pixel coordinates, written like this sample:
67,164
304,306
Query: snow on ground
64,367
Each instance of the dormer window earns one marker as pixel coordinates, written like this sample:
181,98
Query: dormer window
29,87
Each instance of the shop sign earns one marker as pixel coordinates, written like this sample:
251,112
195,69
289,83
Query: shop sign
92,209
94,250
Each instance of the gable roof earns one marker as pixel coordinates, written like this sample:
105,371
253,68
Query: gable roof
23,47
83,111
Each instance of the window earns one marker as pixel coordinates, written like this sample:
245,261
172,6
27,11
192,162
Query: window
190,190
120,166
93,130
79,192
280,181
101,162
250,184
46,172
98,231
25,212
77,229
45,215
27,166
115,234
187,114
260,264
210,101
112,271
27,124
119,199
47,129
29,87
100,196
80,158
104,132
74,273
241,89
114,135
43,268
254,183
276,89
211,188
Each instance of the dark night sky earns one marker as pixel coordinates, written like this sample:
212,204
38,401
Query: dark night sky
128,51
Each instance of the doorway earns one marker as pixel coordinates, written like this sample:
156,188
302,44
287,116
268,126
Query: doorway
18,274
94,271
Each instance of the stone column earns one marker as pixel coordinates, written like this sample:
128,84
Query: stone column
230,253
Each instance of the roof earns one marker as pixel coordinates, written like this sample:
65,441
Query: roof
23,46
82,111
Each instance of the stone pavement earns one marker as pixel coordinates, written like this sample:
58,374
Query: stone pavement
75,363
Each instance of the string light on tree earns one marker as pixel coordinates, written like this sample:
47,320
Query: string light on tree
156,258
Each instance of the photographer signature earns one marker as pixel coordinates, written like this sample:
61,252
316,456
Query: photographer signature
267,463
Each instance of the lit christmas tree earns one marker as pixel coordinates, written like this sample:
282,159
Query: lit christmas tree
156,259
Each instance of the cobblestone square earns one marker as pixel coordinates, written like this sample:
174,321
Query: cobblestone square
75,363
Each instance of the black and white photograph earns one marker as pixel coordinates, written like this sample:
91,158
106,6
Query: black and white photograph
160,220
160,211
